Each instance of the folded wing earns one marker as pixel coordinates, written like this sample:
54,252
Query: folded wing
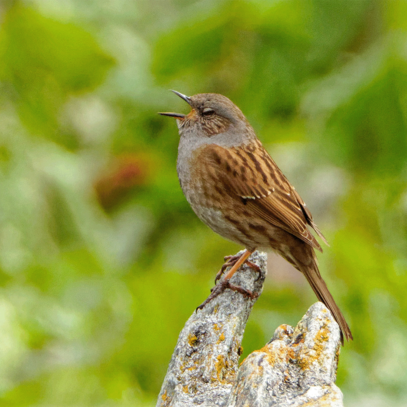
255,179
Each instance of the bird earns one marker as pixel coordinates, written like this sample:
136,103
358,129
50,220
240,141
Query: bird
235,187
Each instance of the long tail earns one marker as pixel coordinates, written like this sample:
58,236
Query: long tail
317,283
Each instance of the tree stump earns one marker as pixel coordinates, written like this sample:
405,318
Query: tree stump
296,368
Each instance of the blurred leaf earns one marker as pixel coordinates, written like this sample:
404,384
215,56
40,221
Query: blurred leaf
44,61
102,259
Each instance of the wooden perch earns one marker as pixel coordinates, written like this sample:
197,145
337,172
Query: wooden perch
296,368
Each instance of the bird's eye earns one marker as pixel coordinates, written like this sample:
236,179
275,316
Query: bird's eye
208,111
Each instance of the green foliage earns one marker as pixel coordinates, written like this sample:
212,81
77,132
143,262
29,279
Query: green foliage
49,57
101,258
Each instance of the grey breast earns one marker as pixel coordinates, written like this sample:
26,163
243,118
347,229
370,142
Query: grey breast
193,189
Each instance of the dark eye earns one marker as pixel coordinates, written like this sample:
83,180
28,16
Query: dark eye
207,111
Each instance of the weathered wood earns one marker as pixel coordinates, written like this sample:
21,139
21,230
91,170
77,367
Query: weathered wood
298,366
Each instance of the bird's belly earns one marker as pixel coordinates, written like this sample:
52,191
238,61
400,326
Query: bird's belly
209,211
216,221
235,224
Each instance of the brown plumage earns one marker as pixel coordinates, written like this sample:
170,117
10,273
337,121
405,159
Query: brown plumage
236,188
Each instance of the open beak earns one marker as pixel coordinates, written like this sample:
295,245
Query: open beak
177,115
170,114
186,98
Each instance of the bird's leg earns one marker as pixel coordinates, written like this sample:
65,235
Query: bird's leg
230,261
225,283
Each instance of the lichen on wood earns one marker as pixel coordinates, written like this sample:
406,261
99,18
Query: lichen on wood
296,368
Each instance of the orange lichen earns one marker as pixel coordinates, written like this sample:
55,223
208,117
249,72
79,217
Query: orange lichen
216,327
270,353
185,389
290,354
324,401
220,366
164,396
278,354
192,339
338,352
315,353
221,338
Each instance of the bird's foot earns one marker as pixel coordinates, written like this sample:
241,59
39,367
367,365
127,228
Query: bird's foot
230,261
222,286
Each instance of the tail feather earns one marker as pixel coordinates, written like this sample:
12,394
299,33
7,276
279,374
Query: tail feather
320,289
319,233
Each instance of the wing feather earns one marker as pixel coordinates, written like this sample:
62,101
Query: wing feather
249,173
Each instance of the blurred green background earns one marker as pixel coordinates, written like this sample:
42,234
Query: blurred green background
101,258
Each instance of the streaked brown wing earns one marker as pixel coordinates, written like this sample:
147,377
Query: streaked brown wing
250,174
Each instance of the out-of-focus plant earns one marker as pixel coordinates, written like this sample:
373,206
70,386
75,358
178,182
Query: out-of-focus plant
101,258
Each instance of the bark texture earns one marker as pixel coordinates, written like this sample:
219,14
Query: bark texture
296,368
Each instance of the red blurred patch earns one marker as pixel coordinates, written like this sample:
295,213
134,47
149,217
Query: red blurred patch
122,177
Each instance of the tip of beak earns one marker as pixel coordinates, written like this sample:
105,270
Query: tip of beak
182,96
170,114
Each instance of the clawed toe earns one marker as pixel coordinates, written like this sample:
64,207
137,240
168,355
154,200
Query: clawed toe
221,271
255,268
235,262
221,287
230,261
215,291
241,290
232,257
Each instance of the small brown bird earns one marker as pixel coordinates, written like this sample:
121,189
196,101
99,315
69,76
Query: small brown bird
235,187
